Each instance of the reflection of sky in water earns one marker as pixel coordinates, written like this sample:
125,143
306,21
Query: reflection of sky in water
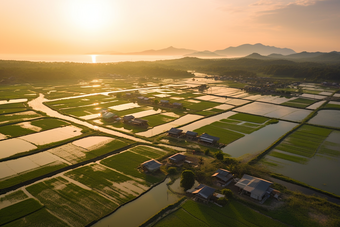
275,111
258,140
329,118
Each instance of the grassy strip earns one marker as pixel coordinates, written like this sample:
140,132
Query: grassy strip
39,218
162,212
239,128
18,210
288,157
249,118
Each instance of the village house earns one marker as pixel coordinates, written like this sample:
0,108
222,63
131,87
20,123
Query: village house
223,177
175,132
164,102
128,118
177,105
191,135
208,139
107,115
202,193
254,187
151,166
139,122
177,159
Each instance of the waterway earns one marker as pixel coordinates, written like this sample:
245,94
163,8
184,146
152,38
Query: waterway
138,211
37,104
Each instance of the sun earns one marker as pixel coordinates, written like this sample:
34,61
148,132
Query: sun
90,14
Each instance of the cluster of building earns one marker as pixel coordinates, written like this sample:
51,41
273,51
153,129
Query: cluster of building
128,119
256,188
204,138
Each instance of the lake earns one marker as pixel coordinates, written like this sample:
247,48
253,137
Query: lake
86,58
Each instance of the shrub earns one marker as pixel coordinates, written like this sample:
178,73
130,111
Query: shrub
227,192
219,155
207,152
222,201
172,170
188,179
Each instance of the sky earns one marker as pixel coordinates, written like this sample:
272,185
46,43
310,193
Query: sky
86,26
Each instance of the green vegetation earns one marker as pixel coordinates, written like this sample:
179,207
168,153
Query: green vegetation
19,210
11,108
158,119
249,118
49,123
148,151
39,218
14,196
187,179
15,130
226,136
288,157
128,162
70,202
299,102
331,106
233,214
107,182
27,115
305,141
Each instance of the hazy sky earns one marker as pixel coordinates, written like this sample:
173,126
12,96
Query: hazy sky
83,26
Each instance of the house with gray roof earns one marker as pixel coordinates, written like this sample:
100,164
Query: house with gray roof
177,158
206,138
223,177
151,165
203,192
256,188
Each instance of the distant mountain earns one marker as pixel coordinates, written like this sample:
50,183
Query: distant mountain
257,56
309,57
205,53
167,51
259,48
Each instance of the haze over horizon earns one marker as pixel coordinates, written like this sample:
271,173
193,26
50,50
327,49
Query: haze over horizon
83,26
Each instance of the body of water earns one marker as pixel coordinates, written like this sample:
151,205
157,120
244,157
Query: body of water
86,58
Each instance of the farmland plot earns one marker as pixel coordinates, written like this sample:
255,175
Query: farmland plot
71,203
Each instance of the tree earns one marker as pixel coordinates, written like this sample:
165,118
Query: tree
172,170
227,192
207,152
219,155
222,201
187,179
201,162
156,101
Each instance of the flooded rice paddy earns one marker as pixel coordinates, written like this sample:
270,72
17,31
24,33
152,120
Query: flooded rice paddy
52,135
14,146
92,142
274,111
25,164
156,199
12,101
165,127
259,140
330,118
125,106
310,155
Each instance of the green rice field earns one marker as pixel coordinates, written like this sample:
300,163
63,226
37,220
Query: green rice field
119,187
127,162
233,214
299,102
71,203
